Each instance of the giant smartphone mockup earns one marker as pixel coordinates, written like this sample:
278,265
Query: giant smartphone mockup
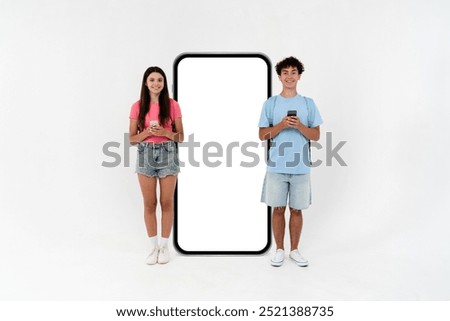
223,162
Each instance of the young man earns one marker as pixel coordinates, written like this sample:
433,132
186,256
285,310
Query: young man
290,121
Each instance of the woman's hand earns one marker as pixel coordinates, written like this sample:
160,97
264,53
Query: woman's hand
149,131
159,131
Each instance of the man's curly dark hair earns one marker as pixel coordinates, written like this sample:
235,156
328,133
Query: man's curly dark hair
289,62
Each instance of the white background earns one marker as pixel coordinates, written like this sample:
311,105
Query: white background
378,71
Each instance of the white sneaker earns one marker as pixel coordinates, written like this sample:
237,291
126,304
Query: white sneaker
298,259
163,256
152,258
278,258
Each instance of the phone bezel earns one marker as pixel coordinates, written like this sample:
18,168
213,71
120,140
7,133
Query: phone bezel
177,61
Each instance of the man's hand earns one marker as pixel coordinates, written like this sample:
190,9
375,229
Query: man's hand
294,122
286,122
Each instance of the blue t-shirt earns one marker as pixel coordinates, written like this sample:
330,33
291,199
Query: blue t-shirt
289,153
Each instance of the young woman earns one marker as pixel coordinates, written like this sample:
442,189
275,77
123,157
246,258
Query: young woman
155,125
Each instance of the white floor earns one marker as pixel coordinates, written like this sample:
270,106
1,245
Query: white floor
111,267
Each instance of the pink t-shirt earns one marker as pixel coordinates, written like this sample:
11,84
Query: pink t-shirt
153,114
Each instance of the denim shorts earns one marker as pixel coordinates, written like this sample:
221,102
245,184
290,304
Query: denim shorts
277,187
157,160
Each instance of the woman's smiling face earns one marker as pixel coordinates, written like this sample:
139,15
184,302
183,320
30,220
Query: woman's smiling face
155,83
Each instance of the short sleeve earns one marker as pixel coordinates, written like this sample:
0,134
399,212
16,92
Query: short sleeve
134,113
264,120
175,109
314,117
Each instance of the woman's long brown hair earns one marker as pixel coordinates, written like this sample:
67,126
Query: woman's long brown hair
164,101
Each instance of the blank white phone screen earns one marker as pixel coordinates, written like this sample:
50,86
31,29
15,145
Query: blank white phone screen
218,208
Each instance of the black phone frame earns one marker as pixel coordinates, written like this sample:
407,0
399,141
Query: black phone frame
177,61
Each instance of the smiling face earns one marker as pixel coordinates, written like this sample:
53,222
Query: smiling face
289,77
155,83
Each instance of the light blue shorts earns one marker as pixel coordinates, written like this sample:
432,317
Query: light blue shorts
157,160
277,187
